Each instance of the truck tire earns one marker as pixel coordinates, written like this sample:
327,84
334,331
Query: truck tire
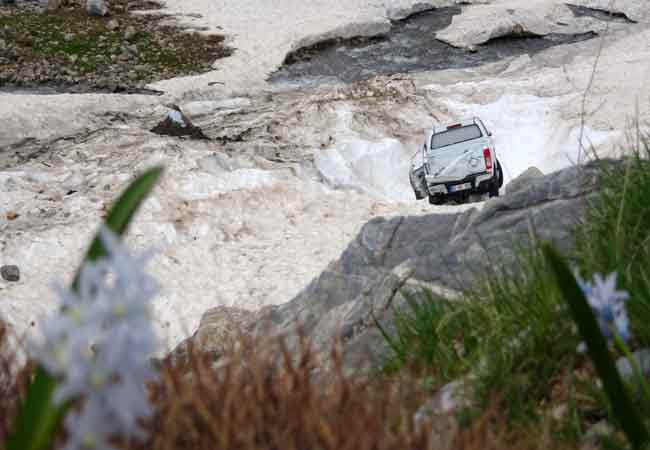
436,199
500,173
494,190
497,182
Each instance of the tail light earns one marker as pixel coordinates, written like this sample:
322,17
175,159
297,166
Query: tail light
488,159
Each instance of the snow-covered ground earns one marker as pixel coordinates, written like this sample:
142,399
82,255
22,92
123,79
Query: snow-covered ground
237,225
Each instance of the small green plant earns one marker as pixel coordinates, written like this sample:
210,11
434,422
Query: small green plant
431,331
507,332
40,415
611,322
615,232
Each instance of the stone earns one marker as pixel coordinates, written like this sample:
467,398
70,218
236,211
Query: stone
442,252
130,33
96,7
520,181
218,331
10,273
112,25
177,124
511,18
439,413
53,5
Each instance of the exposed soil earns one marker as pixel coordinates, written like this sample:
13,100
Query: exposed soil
68,51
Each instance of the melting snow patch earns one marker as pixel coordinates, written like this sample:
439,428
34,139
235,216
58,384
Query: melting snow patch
529,131
202,186
177,118
377,168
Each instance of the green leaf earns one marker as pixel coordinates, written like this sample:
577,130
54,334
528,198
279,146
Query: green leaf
39,417
122,212
622,406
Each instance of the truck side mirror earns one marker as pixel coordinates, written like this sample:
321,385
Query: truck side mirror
489,133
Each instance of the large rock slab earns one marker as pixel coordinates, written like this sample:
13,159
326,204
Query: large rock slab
442,252
479,24
636,10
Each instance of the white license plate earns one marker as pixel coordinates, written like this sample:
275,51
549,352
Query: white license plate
460,187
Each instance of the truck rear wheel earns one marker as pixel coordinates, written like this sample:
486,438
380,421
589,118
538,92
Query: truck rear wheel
497,182
436,199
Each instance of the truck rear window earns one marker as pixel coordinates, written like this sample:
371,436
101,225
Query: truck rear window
455,136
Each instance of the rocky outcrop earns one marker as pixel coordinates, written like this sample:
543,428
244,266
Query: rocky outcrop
524,178
439,251
482,23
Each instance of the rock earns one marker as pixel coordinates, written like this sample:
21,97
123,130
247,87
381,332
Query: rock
440,412
130,33
524,178
112,25
53,5
176,124
96,7
634,10
10,273
68,37
482,23
218,331
441,252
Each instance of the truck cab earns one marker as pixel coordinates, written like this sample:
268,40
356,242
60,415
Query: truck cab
456,160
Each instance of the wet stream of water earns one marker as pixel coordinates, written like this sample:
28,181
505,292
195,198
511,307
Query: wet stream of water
409,46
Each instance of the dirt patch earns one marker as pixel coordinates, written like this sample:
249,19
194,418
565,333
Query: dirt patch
67,50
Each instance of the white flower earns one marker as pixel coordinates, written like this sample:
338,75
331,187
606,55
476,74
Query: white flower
608,304
98,346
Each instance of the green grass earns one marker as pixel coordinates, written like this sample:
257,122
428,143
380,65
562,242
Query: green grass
511,334
91,48
615,233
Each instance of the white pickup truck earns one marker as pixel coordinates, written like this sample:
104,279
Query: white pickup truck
457,161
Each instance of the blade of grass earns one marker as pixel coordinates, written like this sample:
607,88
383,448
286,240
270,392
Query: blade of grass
39,418
622,406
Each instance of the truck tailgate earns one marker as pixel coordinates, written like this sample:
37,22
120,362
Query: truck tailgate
455,162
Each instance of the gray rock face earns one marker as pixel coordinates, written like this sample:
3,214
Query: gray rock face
524,178
482,23
439,251
218,327
10,273
96,7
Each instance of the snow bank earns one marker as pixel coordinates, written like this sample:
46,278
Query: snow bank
529,131
376,168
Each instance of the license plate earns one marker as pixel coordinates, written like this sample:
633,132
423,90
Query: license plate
460,187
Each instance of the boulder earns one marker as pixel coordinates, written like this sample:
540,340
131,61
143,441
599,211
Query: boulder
96,7
441,252
440,413
512,18
217,332
177,124
523,179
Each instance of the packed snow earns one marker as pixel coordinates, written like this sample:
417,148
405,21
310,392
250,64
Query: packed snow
235,228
